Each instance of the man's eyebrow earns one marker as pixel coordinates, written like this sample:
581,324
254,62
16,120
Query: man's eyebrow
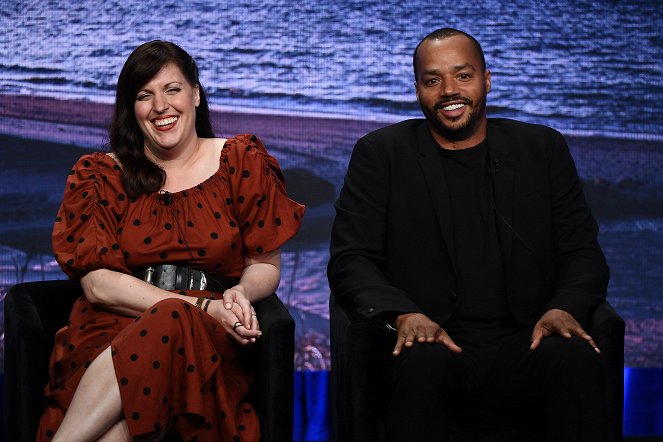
464,66
456,68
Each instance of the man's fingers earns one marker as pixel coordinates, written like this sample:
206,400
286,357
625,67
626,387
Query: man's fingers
537,335
405,339
408,340
423,335
580,332
445,340
417,328
576,329
556,321
399,345
594,346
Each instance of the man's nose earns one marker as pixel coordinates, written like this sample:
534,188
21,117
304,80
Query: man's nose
448,87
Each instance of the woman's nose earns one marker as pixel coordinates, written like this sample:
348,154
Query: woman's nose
160,103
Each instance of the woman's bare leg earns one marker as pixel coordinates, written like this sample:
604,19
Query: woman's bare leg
117,433
96,405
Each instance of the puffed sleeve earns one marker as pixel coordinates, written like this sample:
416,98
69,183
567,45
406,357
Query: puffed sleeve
267,218
86,226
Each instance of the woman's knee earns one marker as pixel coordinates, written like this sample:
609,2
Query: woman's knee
169,316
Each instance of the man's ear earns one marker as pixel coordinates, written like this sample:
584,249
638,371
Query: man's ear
487,80
416,91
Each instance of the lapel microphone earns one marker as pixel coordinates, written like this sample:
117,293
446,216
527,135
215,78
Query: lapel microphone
166,197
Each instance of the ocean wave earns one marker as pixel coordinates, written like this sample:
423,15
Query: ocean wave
22,69
654,225
557,65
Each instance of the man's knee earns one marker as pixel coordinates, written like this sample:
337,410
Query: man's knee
428,366
572,358
575,350
423,386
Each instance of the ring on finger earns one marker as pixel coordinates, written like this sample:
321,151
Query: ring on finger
235,325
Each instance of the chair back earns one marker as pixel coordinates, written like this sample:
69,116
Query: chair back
35,311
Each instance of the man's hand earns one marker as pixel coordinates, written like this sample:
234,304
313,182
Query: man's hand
416,327
559,322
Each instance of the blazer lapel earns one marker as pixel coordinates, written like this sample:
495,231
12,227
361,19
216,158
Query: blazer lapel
431,166
502,164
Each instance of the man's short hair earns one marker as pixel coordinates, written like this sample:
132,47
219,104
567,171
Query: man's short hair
441,34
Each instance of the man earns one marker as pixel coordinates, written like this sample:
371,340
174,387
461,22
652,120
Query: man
471,238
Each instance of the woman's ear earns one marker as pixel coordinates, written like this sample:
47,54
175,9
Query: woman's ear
196,95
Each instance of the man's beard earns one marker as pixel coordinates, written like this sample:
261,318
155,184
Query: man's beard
455,133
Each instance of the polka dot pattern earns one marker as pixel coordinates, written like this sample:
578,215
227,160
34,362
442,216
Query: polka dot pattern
231,214
265,202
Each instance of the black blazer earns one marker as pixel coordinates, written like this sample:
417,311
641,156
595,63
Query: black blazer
392,238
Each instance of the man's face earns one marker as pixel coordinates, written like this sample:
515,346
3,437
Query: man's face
451,88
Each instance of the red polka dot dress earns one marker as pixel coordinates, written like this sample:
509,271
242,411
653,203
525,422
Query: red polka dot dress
174,364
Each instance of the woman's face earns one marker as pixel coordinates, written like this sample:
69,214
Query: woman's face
165,110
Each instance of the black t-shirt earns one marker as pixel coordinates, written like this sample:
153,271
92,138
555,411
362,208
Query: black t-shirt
483,301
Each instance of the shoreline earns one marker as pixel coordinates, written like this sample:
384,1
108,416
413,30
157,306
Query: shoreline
327,137
79,112
85,123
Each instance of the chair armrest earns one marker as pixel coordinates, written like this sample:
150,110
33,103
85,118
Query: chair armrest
604,322
273,357
29,335
357,372
607,328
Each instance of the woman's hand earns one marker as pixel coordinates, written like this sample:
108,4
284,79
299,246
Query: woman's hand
237,296
230,318
259,279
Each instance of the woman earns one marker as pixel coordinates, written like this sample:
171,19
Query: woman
152,230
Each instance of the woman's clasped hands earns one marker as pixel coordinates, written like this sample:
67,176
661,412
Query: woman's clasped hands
237,315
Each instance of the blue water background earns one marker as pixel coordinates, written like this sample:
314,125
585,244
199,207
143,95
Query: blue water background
586,68
589,67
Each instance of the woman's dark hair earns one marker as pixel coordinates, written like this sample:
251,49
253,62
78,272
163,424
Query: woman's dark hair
139,174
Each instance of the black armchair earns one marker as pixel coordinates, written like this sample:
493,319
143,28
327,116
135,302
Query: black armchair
357,391
35,311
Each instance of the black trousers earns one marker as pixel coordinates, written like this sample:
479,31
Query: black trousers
561,383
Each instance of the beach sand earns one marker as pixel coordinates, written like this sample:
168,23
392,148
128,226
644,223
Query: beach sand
41,138
325,137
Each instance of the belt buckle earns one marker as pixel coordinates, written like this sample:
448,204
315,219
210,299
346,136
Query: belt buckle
190,273
149,272
203,280
201,283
